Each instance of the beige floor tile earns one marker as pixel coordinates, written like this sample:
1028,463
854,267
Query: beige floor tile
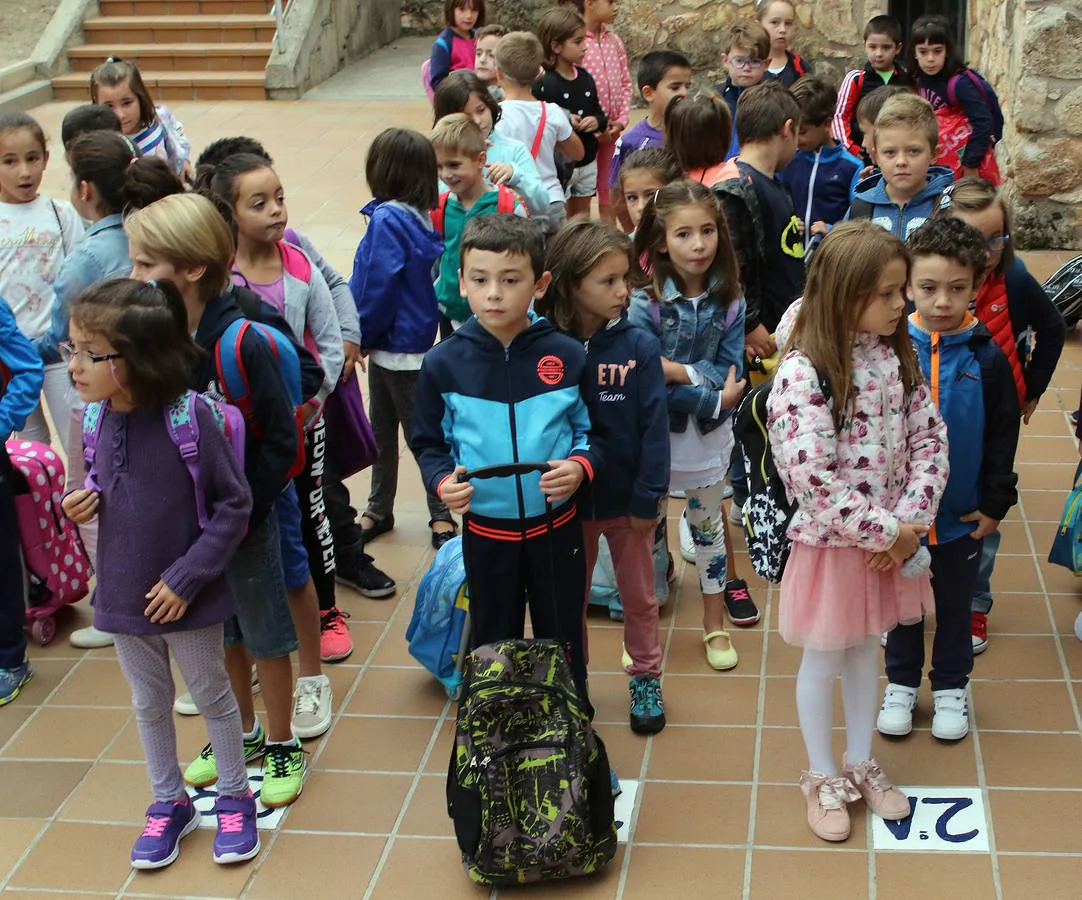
78,857
37,789
1059,449
382,745
625,749
693,813
715,699
336,801
14,715
397,690
1047,877
688,873
394,651
698,753
782,756
901,876
782,658
781,819
191,737
195,873
423,867
77,733
441,751
16,894
921,760
1050,476
94,682
1043,506
111,792
1020,578
1019,657
301,866
1040,706
427,812
687,656
608,693
15,836
1019,613
1026,821
1027,760
49,673
781,873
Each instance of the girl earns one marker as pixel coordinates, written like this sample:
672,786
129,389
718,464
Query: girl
778,17
966,107
693,304
131,351
116,83
862,450
698,131
36,235
508,161
392,286
641,176
1013,306
589,262
454,49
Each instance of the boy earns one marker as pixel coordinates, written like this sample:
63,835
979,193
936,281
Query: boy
86,118
974,389
460,157
484,57
867,112
882,44
506,387
903,195
745,58
543,127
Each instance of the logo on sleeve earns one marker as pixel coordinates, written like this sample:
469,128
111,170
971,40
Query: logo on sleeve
550,369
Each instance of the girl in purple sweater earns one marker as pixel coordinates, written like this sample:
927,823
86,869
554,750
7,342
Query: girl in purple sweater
161,589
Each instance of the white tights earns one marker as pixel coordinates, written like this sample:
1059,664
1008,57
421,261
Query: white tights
859,667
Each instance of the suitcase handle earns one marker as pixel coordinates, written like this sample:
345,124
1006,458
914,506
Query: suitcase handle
508,470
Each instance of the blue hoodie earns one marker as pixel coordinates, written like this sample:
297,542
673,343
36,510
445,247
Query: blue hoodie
21,374
822,183
870,201
392,279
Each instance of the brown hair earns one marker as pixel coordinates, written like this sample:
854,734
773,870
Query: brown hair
871,104
573,254
909,111
493,30
763,110
450,6
763,7
116,71
401,165
653,159
951,239
20,121
816,97
557,25
457,133
698,130
973,194
842,280
750,36
519,56
123,179
454,93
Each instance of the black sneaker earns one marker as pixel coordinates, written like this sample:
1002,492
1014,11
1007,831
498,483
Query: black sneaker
738,603
360,574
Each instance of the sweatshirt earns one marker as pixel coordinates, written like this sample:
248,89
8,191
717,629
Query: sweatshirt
822,182
871,201
21,374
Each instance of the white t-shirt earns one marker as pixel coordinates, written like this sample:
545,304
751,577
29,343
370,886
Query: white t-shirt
34,239
520,119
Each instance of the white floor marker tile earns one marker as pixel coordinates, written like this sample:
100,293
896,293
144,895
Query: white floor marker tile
943,819
266,819
625,804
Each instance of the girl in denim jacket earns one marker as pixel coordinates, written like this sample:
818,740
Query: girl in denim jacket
693,304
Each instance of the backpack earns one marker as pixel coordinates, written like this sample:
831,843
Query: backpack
180,417
988,94
859,209
798,65
426,69
1064,289
505,203
437,631
1067,544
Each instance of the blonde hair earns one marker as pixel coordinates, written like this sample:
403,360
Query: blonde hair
973,194
519,56
458,133
186,230
908,111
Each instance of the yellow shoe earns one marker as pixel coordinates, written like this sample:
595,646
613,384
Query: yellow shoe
721,660
625,658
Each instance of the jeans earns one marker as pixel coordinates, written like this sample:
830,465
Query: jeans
982,593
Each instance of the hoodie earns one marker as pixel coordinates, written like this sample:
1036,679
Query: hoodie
822,182
870,201
21,374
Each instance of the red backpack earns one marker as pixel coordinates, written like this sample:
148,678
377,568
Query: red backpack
505,203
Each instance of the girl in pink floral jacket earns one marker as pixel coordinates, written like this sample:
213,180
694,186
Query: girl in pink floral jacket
862,450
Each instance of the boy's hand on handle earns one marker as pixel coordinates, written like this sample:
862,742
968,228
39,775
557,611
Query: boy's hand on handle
81,506
758,342
164,606
907,542
455,493
985,525
500,173
733,390
819,227
562,480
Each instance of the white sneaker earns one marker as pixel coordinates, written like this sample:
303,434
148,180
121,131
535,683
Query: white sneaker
950,721
1078,626
90,638
312,706
687,543
678,495
896,713
736,514
883,638
184,705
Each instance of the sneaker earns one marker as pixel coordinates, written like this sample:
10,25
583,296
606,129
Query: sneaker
979,628
879,793
360,574
614,783
90,638
896,713
727,491
950,720
312,700
738,603
883,638
203,770
687,542
736,514
12,681
1078,626
237,839
647,707
827,797
184,705
284,766
334,640
167,823
678,495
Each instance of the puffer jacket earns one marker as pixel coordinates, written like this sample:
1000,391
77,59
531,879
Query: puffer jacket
888,465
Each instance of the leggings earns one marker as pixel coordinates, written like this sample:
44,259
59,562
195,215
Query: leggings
315,523
708,532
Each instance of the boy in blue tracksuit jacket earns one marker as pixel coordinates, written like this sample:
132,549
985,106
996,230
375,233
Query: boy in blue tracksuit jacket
505,388
973,387
21,377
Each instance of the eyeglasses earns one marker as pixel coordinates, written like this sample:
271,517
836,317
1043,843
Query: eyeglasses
742,62
68,353
997,242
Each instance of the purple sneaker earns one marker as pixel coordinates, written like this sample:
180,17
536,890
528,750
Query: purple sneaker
167,823
237,839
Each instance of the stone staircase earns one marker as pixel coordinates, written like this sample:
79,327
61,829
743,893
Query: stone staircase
185,49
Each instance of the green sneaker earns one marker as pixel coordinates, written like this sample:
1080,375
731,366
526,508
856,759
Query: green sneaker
284,766
203,770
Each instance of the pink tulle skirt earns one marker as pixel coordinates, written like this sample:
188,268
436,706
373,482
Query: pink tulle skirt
831,600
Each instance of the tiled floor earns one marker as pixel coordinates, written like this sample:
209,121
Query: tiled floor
718,814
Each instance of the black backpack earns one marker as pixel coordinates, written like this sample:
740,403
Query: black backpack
1064,288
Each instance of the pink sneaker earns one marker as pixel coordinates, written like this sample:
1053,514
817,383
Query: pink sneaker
334,640
878,791
827,816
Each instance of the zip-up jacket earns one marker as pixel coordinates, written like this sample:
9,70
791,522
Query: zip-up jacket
796,67
606,60
871,201
625,394
856,85
822,183
973,389
21,374
450,52
479,403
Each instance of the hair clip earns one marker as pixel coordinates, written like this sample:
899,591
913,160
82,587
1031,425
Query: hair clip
153,282
945,198
114,59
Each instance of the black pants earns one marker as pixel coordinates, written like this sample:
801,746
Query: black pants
315,523
12,584
954,575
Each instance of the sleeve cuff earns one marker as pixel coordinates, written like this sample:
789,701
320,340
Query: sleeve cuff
586,465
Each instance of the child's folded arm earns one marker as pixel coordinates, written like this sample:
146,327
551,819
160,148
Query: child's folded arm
20,397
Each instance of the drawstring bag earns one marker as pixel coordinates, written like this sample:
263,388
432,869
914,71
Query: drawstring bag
350,438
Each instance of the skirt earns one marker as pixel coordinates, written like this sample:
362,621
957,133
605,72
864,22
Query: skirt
831,600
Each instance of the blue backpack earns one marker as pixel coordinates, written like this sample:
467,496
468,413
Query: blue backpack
1067,545
437,631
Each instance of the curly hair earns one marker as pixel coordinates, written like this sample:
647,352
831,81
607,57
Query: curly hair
952,239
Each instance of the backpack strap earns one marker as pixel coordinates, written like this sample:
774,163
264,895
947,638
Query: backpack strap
798,65
952,86
93,416
860,209
537,138
295,261
291,237
184,430
231,374
440,212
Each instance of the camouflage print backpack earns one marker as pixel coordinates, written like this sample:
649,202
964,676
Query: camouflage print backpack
528,785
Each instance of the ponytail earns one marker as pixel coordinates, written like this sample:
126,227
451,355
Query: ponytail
123,179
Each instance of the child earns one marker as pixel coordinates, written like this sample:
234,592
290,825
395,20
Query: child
484,59
543,127
36,234
392,287
973,388
850,381
903,194
694,306
662,75
507,161
697,131
454,49
778,17
21,376
562,33
642,175
185,239
88,117
502,360
882,43
1024,323
970,120
626,398
131,352
117,84
867,112
745,58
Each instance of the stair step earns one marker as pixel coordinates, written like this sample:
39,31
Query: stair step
219,57
173,86
110,31
184,7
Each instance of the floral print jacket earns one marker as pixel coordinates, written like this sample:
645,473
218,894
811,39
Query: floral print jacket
887,465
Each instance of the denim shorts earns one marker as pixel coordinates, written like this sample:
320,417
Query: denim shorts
294,555
263,623
583,182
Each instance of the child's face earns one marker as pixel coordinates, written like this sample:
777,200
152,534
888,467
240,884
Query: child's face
788,144
500,288
778,20
602,295
744,66
639,186
691,242
991,223
260,209
146,267
881,50
573,49
676,82
465,18
477,109
603,11
811,137
867,129
484,58
931,58
94,381
461,172
904,155
941,289
22,165
886,307
121,100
